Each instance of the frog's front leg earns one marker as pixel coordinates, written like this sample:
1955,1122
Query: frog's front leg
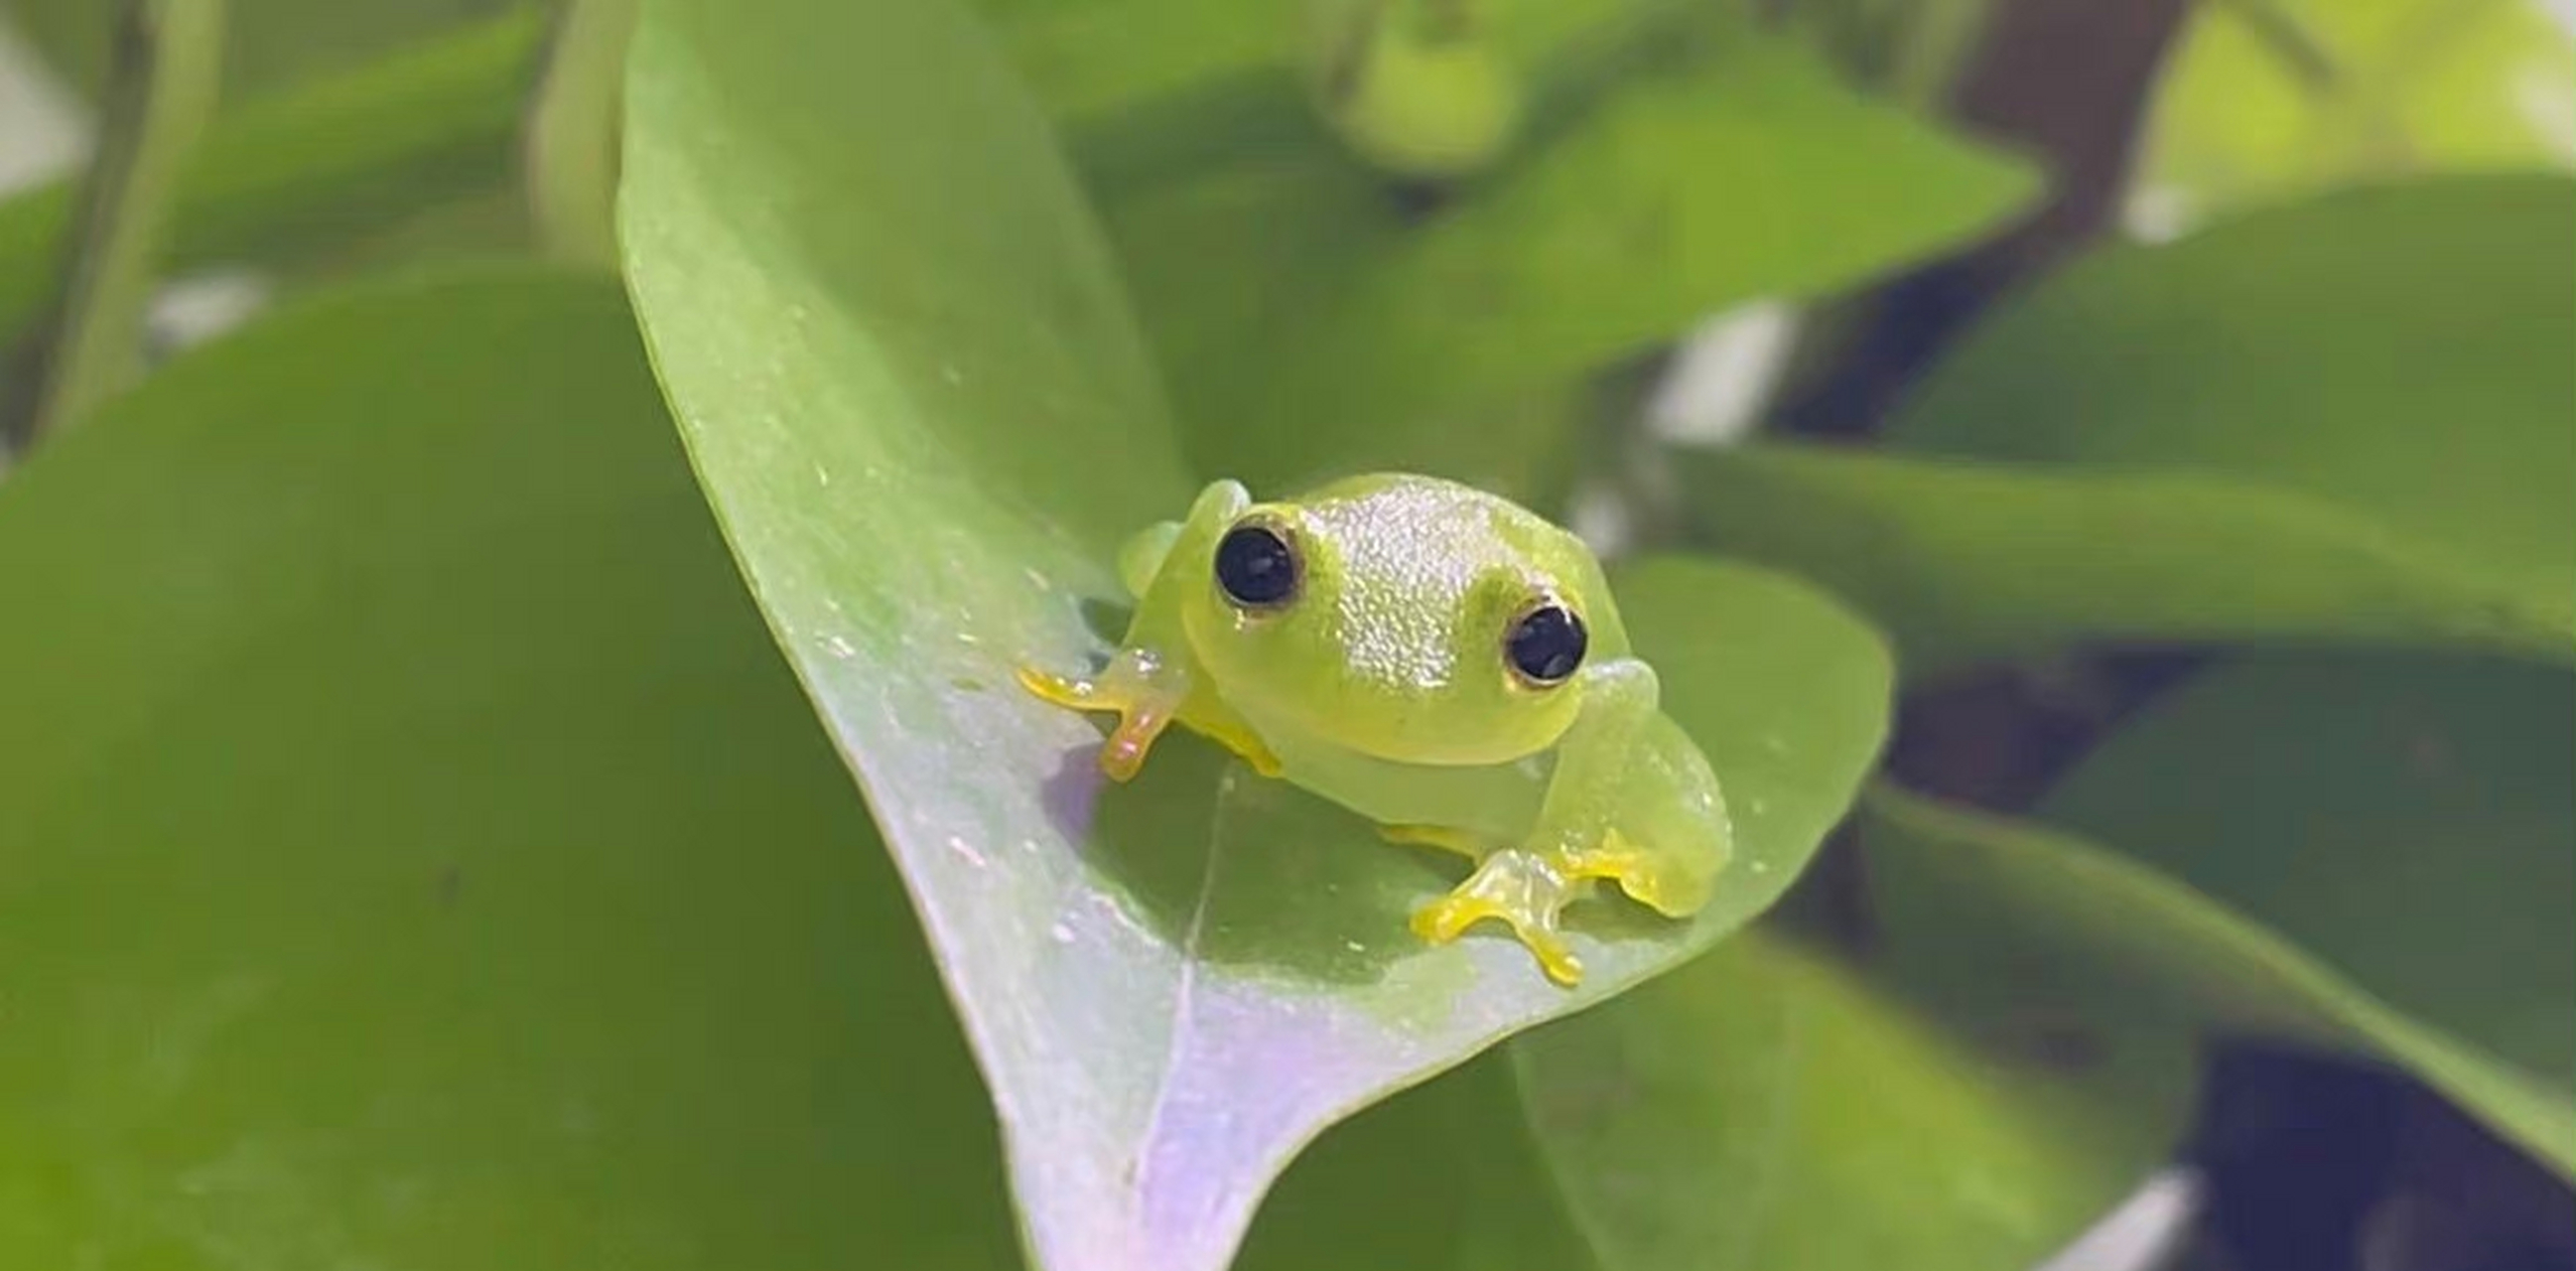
1145,691
1630,800
1151,682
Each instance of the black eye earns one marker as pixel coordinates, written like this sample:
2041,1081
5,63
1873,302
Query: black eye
1256,567
1546,645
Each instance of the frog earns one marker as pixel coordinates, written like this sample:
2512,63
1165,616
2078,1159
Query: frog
1439,659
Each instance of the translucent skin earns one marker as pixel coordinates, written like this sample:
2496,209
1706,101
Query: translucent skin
1383,686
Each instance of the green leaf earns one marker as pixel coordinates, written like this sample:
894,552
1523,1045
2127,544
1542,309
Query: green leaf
301,174
1310,323
1770,1105
417,855
2230,438
901,365
2370,851
2271,100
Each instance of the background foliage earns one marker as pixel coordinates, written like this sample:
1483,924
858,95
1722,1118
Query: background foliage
507,758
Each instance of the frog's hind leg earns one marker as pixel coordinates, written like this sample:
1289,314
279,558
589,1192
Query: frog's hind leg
1141,557
1665,846
1674,837
1525,891
1512,886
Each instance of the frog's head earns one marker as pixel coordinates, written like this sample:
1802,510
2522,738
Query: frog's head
1402,617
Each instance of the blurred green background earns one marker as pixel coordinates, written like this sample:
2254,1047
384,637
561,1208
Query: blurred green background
517,519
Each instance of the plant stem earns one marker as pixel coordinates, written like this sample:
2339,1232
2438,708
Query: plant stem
572,143
285,178
162,87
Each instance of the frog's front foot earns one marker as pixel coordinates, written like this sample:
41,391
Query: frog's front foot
1143,709
1524,889
1148,696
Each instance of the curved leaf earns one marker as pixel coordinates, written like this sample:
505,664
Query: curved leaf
416,854
2231,437
1770,1105
901,366
2401,824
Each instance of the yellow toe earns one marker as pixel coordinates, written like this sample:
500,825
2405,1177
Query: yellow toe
1076,694
1449,917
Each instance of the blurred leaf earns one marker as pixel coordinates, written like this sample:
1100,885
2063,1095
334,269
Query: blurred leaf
1964,561
2228,438
481,227
1915,50
1090,61
900,362
1769,1105
2407,820
269,45
2269,100
2401,824
1092,57
417,855
299,176
1443,1177
1311,323
2319,348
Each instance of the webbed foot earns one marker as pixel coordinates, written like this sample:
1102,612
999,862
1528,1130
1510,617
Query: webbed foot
1528,889
1147,699
1654,881
1524,890
1143,713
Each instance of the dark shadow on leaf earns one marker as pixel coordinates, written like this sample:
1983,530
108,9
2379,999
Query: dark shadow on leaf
1107,620
1072,793
1247,872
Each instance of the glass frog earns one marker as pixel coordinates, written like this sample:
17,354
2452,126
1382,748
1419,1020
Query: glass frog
1437,659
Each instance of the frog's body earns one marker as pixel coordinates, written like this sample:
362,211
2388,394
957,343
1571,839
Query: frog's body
1437,659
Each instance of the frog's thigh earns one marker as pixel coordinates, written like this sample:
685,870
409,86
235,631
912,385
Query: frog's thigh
1141,557
1670,835
1520,889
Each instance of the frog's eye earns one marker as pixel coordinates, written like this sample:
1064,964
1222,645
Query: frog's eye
1545,645
1257,566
